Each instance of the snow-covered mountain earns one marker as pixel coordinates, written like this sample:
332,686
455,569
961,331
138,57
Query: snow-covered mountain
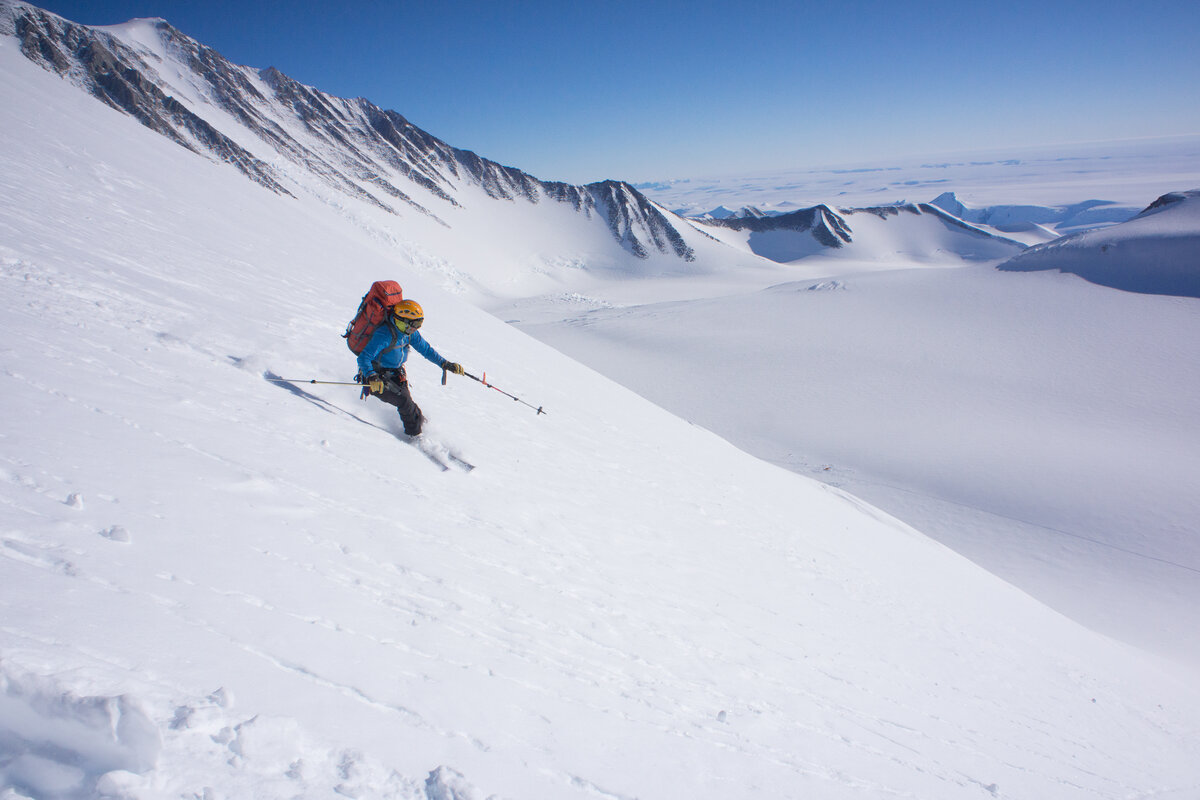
1066,219
451,208
295,139
721,212
1158,251
915,232
214,585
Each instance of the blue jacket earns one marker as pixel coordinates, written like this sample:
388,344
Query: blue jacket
384,352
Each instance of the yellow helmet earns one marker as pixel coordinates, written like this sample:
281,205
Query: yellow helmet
409,312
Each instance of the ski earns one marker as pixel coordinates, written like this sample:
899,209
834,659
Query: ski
463,464
438,453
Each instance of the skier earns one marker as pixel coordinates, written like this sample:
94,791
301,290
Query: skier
381,363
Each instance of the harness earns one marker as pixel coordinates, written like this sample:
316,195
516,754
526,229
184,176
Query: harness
391,373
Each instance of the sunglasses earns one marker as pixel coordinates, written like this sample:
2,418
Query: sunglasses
409,324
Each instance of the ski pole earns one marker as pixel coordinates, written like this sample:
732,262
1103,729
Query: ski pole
314,380
484,381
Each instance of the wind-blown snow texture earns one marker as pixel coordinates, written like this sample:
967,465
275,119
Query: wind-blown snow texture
212,585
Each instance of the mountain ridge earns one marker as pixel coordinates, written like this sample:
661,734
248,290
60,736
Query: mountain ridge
916,229
353,146
113,73
293,138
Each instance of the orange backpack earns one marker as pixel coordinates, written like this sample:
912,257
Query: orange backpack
372,311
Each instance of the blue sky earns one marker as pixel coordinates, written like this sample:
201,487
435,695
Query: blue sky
655,90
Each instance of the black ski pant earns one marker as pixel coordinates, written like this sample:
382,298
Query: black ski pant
396,393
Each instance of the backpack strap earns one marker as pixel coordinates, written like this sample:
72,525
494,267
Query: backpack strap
395,341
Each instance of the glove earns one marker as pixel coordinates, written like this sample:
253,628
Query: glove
450,366
372,384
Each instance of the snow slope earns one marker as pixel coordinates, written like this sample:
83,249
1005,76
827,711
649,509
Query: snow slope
1040,425
216,586
921,234
1157,252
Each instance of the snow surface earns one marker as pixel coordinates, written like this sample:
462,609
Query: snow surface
1040,425
212,585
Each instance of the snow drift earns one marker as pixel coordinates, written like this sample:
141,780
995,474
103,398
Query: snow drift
58,745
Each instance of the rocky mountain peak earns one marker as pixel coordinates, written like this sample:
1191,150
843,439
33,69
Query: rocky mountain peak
351,146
